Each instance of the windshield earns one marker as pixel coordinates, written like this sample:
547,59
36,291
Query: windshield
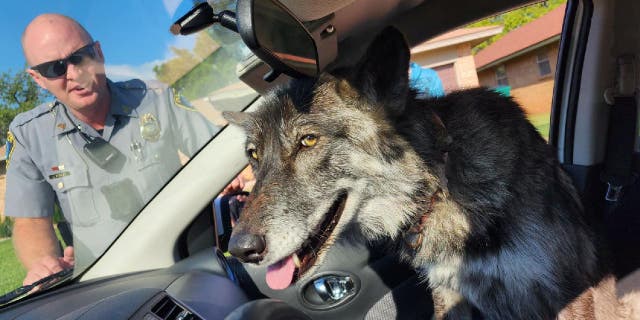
101,106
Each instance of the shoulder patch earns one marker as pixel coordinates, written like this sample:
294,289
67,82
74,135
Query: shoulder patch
11,142
180,101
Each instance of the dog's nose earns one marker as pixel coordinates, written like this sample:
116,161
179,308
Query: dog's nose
247,247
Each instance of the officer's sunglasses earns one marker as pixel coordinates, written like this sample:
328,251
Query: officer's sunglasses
57,68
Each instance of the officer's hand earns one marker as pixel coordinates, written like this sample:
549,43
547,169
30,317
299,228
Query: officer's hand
234,187
49,265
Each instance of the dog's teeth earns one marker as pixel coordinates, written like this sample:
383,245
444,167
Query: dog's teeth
296,260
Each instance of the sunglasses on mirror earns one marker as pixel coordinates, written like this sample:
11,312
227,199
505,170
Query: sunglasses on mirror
57,68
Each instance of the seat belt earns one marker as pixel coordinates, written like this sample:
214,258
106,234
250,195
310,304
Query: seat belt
621,138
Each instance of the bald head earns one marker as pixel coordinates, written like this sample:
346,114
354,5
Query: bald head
46,32
82,86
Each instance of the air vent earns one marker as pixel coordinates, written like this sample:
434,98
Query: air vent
167,309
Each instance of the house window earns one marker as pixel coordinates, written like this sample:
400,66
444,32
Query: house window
501,76
544,68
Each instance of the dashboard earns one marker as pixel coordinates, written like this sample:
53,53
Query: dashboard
206,285
199,287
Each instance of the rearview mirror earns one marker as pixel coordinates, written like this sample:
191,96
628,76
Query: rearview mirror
273,33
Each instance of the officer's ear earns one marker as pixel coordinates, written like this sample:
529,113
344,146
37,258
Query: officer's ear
98,50
37,77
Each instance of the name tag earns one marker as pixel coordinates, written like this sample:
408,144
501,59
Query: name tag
59,175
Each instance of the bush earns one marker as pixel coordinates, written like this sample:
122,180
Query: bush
6,227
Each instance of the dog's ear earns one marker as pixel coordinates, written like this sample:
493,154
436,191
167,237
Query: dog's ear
241,119
382,74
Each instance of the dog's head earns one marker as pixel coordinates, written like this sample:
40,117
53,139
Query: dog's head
328,161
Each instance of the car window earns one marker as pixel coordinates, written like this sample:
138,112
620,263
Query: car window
194,77
167,95
514,52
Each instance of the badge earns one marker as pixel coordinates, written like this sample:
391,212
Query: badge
149,127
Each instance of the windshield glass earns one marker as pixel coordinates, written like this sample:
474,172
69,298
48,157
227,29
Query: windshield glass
101,106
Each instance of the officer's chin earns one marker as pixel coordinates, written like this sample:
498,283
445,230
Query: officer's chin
83,100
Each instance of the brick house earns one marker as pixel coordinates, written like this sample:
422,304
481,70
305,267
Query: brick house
525,60
450,55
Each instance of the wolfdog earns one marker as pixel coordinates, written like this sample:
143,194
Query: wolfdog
464,187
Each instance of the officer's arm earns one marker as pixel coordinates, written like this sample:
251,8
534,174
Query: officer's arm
33,239
37,247
29,200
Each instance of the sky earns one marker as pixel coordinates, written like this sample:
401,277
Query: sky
134,34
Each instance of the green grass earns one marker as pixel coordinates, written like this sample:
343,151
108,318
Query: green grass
541,122
11,271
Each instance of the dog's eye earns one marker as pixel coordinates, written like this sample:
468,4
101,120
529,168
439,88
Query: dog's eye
252,151
309,140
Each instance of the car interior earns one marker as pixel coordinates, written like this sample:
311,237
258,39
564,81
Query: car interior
165,264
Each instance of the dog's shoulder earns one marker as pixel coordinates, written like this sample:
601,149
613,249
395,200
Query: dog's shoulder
481,116
492,146
478,107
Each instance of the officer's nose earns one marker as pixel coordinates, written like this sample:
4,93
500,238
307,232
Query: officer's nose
73,71
247,247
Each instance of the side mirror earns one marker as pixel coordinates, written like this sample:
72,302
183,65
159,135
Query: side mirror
273,33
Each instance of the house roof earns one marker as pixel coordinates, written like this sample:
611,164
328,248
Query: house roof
528,36
457,36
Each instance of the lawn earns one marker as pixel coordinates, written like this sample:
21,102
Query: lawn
11,271
541,122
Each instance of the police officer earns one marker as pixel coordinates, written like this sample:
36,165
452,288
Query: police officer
100,151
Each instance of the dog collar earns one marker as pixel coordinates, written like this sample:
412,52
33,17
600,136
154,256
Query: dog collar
413,236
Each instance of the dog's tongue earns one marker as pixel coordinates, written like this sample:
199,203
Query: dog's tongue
280,274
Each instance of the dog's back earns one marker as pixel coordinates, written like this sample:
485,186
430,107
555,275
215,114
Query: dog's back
529,250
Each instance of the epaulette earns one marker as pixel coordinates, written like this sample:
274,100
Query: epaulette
155,84
132,84
28,116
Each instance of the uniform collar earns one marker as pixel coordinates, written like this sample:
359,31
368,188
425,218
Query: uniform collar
118,107
62,123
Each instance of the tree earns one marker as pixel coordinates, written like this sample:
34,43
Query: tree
211,64
18,93
513,19
184,61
